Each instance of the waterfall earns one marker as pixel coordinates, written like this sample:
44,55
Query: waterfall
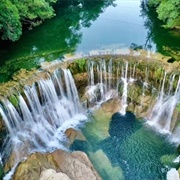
109,74
45,110
103,87
156,111
145,86
91,73
50,106
162,113
125,90
171,84
1,160
101,84
106,86
126,74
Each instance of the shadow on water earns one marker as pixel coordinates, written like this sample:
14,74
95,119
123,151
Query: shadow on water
132,147
52,39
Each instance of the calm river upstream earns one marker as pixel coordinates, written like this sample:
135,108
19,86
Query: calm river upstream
84,28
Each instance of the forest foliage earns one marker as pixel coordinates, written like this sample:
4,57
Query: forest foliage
168,11
14,14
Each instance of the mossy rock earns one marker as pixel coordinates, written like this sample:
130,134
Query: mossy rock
14,100
158,73
168,160
78,66
81,65
134,92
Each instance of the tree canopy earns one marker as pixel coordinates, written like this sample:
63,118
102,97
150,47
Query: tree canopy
167,41
168,11
16,13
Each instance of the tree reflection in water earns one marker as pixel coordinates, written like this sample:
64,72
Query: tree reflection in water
53,38
166,41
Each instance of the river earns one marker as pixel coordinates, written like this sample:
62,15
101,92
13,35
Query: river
85,28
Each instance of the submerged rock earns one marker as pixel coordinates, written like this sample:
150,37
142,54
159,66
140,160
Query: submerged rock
75,166
103,164
170,160
99,126
73,135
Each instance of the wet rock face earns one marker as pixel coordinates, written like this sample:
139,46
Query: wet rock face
74,166
140,99
2,128
78,66
81,81
1,171
73,135
3,133
111,106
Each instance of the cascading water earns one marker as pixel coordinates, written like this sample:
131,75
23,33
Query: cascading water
38,123
109,82
162,113
145,86
119,80
155,115
48,107
100,90
125,91
110,74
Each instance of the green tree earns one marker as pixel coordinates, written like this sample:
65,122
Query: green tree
34,12
16,13
10,25
168,11
167,41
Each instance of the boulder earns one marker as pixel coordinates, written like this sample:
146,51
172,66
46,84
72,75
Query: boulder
73,134
111,106
75,166
50,174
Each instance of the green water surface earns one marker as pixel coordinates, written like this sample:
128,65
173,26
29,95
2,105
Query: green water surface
132,151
